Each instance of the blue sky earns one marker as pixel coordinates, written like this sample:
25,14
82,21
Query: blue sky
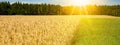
65,2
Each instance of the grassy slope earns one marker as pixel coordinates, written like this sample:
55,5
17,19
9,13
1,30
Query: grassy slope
98,31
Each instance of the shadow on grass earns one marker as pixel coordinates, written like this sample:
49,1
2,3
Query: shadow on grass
76,34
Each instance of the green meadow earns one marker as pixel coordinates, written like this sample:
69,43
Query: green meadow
97,31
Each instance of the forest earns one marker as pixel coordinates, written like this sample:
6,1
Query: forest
18,8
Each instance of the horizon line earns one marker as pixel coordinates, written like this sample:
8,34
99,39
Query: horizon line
59,4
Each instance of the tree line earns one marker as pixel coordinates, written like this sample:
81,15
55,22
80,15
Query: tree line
18,8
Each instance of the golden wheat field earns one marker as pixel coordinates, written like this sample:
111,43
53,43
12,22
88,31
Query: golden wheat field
39,30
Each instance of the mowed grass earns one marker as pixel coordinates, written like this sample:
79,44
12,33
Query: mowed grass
97,31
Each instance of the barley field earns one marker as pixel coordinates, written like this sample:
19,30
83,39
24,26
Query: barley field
36,30
59,30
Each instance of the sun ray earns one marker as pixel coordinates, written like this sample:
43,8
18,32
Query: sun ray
80,2
73,8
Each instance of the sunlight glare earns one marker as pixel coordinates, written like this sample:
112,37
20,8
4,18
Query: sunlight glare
80,2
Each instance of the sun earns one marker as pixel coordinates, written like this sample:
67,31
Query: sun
80,2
